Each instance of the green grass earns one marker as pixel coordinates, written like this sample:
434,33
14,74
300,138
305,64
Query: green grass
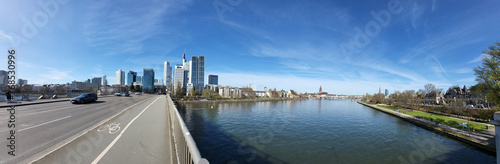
442,119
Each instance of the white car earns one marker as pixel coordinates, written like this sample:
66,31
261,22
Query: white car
137,93
118,94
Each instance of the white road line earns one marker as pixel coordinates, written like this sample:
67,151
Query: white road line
44,123
120,135
48,110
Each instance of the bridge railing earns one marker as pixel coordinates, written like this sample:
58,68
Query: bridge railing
185,148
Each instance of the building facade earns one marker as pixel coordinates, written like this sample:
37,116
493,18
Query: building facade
197,72
213,79
131,77
97,81
179,77
120,77
148,81
167,74
22,82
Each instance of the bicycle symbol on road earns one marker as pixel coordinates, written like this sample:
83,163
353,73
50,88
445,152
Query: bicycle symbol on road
113,128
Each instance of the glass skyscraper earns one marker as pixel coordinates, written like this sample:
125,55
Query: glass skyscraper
213,79
198,72
131,77
148,81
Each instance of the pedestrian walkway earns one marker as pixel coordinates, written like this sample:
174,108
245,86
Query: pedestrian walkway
146,139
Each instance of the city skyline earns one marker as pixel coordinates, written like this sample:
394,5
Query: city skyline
347,47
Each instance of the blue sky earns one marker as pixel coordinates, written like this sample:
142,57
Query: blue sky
293,44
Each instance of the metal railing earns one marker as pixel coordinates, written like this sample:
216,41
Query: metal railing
185,148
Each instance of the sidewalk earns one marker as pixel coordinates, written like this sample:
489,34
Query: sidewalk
146,140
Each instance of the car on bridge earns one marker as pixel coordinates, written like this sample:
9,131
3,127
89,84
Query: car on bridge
84,98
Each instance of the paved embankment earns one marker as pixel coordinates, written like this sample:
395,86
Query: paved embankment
484,140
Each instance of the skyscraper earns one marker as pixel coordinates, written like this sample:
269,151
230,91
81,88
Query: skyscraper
213,79
167,74
148,81
3,77
97,81
179,77
138,79
131,77
386,92
104,80
197,72
120,77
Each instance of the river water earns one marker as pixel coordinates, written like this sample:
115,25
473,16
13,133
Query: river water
316,131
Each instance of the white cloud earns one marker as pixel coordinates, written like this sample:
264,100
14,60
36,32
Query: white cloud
5,36
464,70
477,59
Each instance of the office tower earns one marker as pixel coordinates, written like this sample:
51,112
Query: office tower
179,77
131,77
138,79
167,74
148,81
197,73
120,77
3,77
213,79
97,81
104,80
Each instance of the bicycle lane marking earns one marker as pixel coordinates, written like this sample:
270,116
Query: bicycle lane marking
120,135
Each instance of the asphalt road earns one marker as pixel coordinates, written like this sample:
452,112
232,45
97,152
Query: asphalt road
139,135
43,127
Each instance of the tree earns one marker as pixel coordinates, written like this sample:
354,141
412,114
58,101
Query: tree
378,98
131,87
179,92
210,94
429,88
488,74
138,88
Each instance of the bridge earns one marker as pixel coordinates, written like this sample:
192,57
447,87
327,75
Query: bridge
137,129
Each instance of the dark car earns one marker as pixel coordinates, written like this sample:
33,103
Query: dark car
84,98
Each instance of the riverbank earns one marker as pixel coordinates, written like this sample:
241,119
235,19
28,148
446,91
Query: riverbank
240,100
484,140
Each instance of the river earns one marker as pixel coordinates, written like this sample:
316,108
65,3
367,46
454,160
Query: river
316,131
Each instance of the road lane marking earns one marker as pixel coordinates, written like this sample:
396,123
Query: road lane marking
44,123
47,111
120,135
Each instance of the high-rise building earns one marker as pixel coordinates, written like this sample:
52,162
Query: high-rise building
179,77
120,77
22,82
197,72
386,92
138,79
167,74
213,79
3,77
131,77
148,81
97,81
104,81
